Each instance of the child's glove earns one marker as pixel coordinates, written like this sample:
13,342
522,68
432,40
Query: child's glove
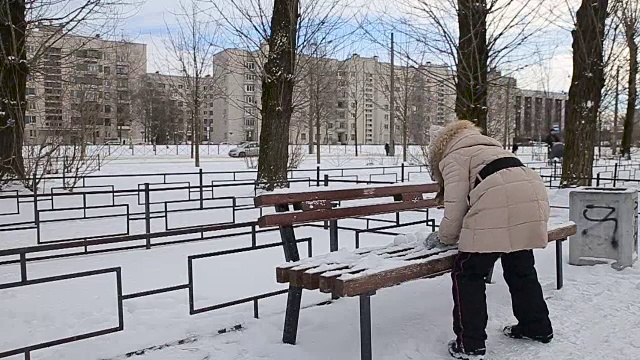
433,241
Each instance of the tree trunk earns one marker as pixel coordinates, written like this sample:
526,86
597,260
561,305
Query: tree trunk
277,95
13,83
627,134
472,62
585,94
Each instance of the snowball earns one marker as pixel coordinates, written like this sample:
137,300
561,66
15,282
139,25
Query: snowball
400,239
411,238
421,236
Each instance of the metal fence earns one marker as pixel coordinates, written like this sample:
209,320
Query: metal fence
139,217
143,217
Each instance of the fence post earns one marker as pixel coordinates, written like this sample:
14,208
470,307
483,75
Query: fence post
99,162
326,179
36,216
598,180
147,214
615,174
318,175
201,190
402,172
64,174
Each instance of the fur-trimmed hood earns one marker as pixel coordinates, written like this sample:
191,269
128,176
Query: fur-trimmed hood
439,143
455,135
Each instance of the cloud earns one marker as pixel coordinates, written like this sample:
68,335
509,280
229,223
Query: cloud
552,73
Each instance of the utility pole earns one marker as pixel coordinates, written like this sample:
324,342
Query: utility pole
317,94
405,112
614,143
506,114
392,103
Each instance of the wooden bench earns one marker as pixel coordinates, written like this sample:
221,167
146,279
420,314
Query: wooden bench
363,271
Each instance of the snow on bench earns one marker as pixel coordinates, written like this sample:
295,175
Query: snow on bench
353,273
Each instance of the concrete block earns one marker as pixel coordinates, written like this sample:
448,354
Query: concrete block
607,221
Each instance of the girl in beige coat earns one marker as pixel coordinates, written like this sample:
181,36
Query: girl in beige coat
494,208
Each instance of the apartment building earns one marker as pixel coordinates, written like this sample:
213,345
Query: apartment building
176,95
538,111
349,99
236,111
80,88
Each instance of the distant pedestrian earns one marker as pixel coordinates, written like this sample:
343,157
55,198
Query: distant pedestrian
514,148
387,148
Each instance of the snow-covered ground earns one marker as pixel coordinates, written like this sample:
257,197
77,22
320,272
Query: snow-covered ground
596,315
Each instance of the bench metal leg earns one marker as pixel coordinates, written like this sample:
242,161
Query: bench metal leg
333,235
292,315
559,265
333,242
365,326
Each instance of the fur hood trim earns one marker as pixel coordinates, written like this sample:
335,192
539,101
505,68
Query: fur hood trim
439,143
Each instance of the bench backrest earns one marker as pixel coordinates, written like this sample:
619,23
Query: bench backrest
313,206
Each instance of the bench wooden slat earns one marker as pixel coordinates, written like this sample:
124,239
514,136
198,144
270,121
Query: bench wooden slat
382,279
344,194
305,217
343,279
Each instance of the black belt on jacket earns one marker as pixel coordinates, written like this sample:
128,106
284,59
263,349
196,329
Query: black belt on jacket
497,165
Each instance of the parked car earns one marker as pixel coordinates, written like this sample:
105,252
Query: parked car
248,149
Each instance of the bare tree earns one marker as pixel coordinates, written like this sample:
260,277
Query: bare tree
192,44
310,23
412,99
471,37
628,13
585,94
20,20
159,112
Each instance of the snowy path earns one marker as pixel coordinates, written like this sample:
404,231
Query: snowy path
595,316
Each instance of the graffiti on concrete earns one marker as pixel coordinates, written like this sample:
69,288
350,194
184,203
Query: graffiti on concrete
607,218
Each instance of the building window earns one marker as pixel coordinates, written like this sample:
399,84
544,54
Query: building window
107,95
122,70
250,65
107,83
31,133
250,88
29,119
353,137
341,105
31,105
107,122
249,99
94,68
303,137
31,91
250,77
210,113
106,70
180,87
123,83
107,109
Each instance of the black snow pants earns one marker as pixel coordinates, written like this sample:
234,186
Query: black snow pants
470,303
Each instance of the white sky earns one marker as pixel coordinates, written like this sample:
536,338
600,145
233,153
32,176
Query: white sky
553,73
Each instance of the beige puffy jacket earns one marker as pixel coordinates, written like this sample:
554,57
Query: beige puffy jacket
507,212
